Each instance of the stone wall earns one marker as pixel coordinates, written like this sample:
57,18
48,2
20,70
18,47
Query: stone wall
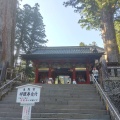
112,88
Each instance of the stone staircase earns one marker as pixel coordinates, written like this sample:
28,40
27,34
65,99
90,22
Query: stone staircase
58,102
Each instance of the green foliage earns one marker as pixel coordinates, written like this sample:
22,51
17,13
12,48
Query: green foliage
30,30
82,44
88,10
91,11
117,28
21,66
101,15
30,34
91,44
27,69
30,72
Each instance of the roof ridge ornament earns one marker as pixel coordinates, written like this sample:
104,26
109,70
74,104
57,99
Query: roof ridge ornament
95,50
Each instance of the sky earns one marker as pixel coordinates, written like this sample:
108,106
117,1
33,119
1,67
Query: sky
61,24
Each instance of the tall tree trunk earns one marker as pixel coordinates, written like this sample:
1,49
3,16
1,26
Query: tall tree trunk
109,36
7,30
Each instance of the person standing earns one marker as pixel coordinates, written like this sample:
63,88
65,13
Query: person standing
95,73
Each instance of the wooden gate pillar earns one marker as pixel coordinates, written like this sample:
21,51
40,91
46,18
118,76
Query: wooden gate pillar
74,74
50,73
87,76
36,74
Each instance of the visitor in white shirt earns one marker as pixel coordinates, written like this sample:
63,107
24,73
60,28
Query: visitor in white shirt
95,73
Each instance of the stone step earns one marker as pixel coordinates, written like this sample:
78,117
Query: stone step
66,87
55,115
39,110
58,100
71,87
56,106
60,103
69,92
71,97
7,118
60,95
66,90
84,103
61,92
97,98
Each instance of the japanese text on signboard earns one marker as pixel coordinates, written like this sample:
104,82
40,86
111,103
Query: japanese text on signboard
28,94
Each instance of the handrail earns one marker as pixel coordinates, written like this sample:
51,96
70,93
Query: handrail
8,86
109,106
9,82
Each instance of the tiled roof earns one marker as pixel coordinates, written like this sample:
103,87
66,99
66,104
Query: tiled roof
67,50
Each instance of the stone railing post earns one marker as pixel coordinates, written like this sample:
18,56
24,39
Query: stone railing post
0,94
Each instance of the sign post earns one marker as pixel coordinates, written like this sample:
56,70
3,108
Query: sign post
27,96
26,113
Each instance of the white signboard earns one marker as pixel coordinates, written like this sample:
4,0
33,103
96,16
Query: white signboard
28,94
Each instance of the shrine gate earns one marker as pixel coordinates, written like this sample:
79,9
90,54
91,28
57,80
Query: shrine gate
70,62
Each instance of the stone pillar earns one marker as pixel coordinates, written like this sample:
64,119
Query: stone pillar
118,72
112,72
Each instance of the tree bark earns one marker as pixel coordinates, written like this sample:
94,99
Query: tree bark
7,30
109,37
